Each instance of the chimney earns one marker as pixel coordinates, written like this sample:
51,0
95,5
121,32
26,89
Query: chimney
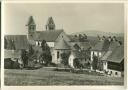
103,38
109,38
99,38
114,38
120,43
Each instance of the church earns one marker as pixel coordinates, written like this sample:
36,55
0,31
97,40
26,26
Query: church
56,39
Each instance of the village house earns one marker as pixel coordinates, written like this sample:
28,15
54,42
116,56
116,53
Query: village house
51,35
61,47
100,49
82,58
11,59
110,57
13,46
114,62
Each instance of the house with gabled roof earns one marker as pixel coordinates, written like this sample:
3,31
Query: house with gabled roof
114,61
100,49
61,47
14,44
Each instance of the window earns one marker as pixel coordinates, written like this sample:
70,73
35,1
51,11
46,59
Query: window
57,54
38,43
116,73
111,72
62,36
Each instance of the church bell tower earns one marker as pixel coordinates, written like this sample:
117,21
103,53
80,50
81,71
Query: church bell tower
50,24
31,26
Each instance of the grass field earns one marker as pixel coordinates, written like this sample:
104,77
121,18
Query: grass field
46,76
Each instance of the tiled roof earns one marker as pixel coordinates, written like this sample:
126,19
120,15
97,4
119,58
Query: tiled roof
102,46
117,54
11,54
50,21
113,45
84,45
93,40
78,54
106,55
19,42
61,44
49,36
31,21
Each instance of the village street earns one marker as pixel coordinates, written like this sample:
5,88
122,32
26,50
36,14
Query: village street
47,76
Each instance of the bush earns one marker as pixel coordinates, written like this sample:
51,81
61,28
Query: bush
65,57
9,64
52,65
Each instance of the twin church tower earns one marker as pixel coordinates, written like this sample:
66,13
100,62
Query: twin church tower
50,25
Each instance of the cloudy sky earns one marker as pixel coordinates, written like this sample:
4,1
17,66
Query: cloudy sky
69,16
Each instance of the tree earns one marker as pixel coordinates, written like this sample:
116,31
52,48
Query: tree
81,38
5,43
85,37
46,53
95,62
75,36
77,63
31,50
64,57
24,57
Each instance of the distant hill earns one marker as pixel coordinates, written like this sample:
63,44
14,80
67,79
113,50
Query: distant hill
100,33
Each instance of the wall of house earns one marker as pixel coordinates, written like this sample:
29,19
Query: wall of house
96,53
55,59
114,73
56,53
105,65
50,44
70,61
63,36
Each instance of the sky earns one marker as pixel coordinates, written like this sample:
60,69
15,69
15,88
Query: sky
72,17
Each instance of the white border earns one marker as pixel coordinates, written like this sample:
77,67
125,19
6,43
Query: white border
59,87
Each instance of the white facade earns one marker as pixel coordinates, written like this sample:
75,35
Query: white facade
71,60
96,53
50,44
114,73
105,65
56,56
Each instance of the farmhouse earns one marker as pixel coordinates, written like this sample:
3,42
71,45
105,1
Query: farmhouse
80,57
100,49
14,44
114,61
60,47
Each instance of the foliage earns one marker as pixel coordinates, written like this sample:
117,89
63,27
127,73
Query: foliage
45,56
64,57
24,57
5,43
31,50
77,63
82,38
95,62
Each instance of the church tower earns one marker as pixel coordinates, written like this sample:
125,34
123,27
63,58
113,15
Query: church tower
50,24
31,25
